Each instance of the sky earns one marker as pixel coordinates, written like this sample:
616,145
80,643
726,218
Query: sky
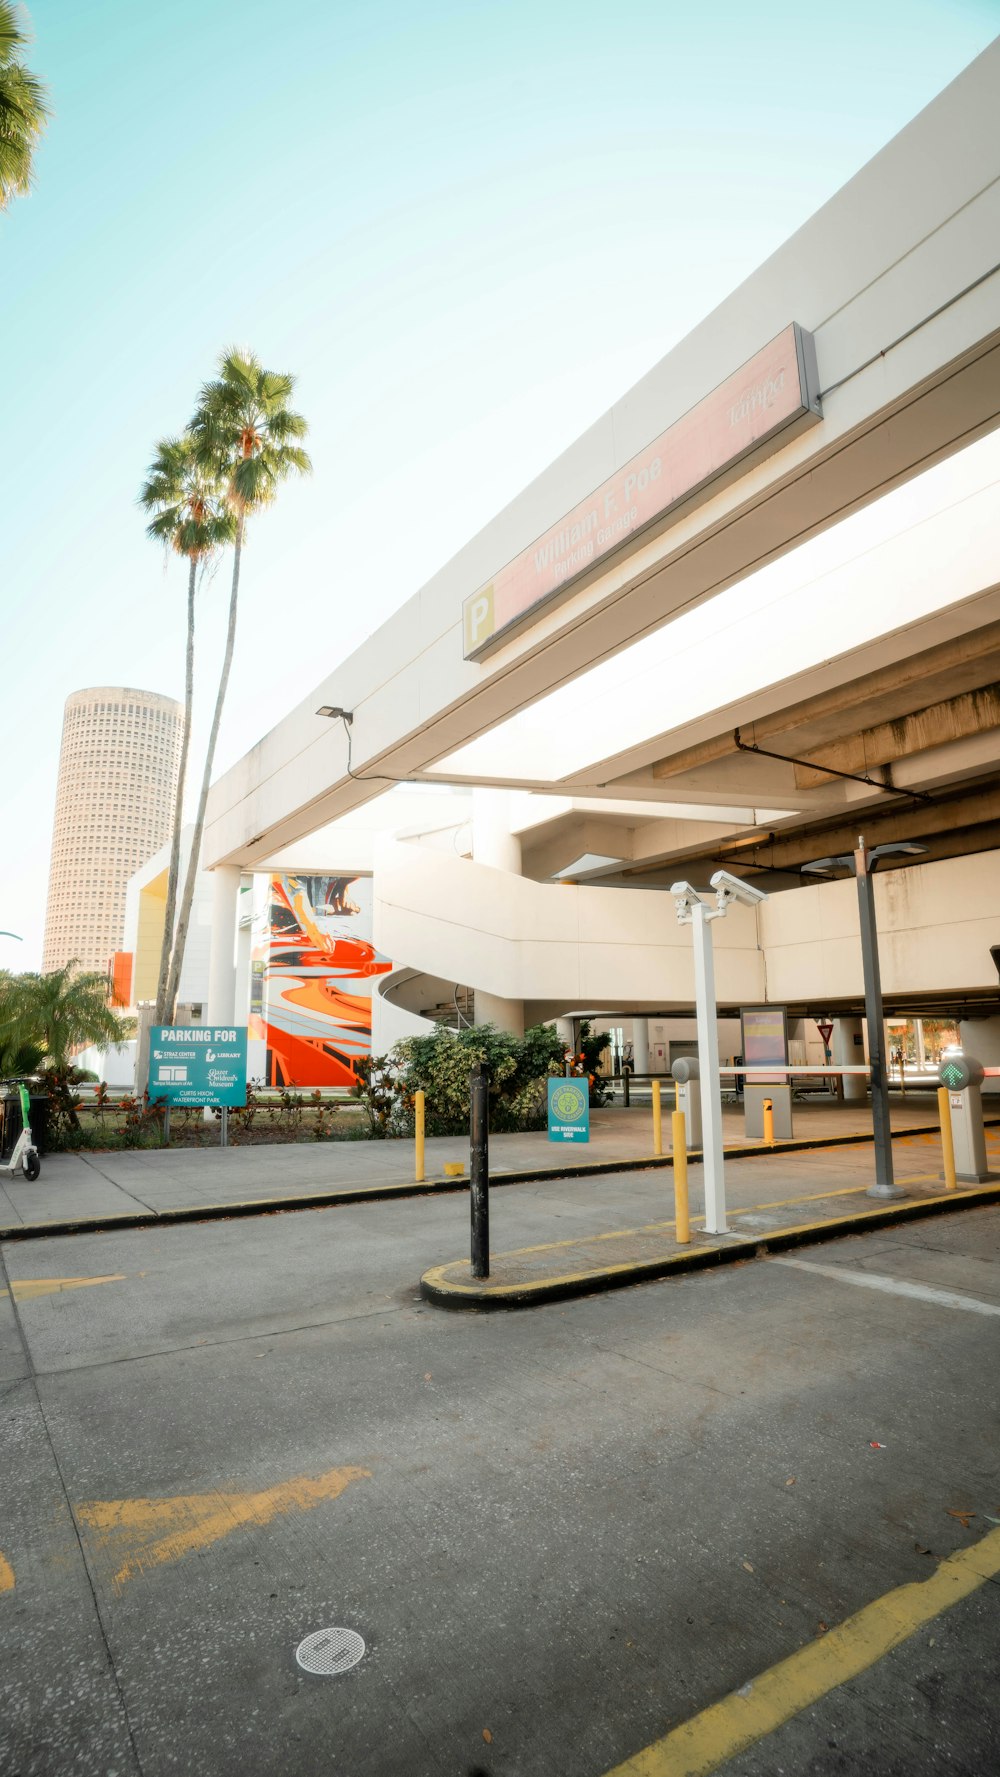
465,231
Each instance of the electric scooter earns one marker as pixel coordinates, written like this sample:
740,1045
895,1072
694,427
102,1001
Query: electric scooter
17,1147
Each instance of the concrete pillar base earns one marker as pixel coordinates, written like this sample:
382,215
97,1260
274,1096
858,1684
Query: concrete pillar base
848,1052
507,1015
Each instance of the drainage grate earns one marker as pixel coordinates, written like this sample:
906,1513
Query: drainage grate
329,1651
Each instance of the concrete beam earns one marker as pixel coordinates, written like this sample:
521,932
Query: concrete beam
957,665
894,277
974,712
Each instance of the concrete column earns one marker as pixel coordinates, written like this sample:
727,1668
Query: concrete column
640,1046
222,956
494,844
850,1053
981,1037
507,1015
244,945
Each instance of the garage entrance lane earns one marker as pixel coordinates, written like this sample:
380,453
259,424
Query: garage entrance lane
578,1526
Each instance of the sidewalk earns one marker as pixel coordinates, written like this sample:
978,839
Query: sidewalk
774,1201
131,1187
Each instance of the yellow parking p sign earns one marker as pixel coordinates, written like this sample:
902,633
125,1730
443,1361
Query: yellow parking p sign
477,613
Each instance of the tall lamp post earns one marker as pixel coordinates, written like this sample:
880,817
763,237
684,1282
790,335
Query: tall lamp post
864,863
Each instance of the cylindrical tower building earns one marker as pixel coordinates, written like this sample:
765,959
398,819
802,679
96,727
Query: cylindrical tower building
114,806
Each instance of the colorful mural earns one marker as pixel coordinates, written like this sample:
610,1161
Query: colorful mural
312,971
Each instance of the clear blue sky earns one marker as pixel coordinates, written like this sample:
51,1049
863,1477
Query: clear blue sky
465,230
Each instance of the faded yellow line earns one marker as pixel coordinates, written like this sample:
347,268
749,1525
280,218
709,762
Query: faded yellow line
26,1289
705,1742
150,1532
7,1581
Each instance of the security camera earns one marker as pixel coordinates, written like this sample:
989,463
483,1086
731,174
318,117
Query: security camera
734,888
686,897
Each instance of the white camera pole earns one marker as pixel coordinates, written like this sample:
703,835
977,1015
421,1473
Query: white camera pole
708,1068
692,911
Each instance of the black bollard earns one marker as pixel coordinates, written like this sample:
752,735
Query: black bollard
479,1169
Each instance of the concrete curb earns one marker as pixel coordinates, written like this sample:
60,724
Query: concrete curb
437,1288
269,1206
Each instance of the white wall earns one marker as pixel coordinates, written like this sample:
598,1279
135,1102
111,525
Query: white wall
391,1023
590,946
936,923
520,939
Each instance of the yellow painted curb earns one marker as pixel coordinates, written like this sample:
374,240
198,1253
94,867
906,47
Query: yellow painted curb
439,1283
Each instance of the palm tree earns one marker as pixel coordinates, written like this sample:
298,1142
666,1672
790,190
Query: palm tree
24,109
245,434
192,518
69,1010
43,1018
21,1050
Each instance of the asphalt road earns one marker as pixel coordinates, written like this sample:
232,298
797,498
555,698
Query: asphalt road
562,1533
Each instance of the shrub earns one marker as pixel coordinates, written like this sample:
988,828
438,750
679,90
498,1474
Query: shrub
592,1043
380,1091
440,1066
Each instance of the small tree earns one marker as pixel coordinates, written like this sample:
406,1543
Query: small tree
592,1045
58,1013
21,1047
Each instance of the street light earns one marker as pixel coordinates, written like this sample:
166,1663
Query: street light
863,863
692,911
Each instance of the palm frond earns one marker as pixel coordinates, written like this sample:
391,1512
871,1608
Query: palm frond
187,498
24,109
13,36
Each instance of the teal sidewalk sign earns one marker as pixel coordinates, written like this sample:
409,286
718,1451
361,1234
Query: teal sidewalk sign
569,1110
198,1064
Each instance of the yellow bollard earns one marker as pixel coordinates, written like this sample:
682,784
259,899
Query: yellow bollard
768,1108
418,1137
657,1119
947,1145
682,1224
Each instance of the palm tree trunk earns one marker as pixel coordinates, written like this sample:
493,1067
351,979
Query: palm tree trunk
175,839
194,861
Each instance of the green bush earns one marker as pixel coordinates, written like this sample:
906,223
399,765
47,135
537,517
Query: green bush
440,1066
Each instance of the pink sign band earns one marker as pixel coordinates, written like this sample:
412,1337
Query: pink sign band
752,408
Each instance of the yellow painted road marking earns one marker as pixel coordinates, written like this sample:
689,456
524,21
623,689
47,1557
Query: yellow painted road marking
25,1289
149,1532
701,1745
7,1581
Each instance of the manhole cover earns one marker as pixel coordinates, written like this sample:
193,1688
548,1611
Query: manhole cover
330,1651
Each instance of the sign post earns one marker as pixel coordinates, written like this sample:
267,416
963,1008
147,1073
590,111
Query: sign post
569,1109
199,1064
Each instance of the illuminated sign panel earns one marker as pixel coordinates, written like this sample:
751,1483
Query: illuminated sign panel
756,406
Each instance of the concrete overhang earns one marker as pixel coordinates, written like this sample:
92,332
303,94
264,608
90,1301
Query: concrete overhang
896,280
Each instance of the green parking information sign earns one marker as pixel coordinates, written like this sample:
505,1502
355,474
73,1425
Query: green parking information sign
569,1110
198,1064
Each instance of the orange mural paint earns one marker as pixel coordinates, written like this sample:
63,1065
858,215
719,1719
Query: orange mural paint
313,969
